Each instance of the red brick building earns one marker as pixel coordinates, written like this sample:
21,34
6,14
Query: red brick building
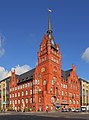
47,86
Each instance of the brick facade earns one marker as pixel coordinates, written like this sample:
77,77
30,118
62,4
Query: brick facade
47,86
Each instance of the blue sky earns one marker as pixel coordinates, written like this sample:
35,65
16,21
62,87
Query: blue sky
24,22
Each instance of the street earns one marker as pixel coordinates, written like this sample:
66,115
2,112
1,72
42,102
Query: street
44,116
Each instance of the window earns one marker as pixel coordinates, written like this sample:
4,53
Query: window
40,99
28,84
18,87
51,90
52,99
38,82
18,94
10,102
66,86
63,93
26,92
25,85
74,102
55,69
36,90
10,95
71,86
55,79
18,101
70,101
52,82
30,100
22,100
31,91
44,82
35,81
22,93
57,101
15,101
26,100
15,94
15,88
70,94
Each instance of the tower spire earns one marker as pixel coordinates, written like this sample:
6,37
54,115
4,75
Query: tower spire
49,32
49,23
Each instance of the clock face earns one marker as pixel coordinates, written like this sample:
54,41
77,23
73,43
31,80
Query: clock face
52,41
42,69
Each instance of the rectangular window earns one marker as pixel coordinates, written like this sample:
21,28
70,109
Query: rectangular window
31,91
30,100
26,100
18,94
18,101
22,93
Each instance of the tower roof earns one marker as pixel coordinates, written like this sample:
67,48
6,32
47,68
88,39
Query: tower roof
49,31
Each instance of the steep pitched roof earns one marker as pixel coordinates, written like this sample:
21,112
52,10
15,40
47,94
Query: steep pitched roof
7,78
66,73
26,76
81,79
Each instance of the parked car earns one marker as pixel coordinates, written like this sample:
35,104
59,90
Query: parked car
65,110
77,110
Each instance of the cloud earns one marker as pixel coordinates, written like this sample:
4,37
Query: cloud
2,50
3,73
18,69
21,69
85,55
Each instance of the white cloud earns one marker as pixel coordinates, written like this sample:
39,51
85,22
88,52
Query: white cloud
18,69
21,69
2,50
85,55
3,73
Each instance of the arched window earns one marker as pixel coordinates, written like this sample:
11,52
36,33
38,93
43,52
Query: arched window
40,99
51,90
52,99
70,101
26,92
55,69
26,100
55,79
52,82
44,83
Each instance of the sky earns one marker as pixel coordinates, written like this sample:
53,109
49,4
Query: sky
23,24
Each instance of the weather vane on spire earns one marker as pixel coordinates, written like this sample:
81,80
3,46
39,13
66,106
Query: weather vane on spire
49,10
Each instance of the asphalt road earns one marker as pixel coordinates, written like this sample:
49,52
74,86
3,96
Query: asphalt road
44,116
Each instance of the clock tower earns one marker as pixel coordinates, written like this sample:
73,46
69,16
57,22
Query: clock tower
48,72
